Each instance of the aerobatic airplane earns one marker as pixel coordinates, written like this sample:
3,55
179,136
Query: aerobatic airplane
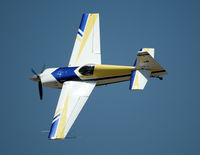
85,71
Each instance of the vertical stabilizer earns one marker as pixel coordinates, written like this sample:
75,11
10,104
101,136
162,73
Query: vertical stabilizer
149,50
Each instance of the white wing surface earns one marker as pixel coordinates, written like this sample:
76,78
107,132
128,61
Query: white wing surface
87,45
73,96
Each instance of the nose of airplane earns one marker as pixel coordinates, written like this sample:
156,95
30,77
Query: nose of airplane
35,78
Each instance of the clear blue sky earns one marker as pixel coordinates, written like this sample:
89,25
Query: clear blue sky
162,119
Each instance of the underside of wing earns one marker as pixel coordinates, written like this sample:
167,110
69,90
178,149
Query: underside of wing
87,45
72,99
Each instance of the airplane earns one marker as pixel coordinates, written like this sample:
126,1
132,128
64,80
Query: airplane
85,71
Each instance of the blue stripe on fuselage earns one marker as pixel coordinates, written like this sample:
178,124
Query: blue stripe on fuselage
65,74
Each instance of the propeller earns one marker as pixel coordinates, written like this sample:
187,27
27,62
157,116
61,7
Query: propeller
38,79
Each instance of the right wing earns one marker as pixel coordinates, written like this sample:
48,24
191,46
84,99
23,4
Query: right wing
87,45
74,95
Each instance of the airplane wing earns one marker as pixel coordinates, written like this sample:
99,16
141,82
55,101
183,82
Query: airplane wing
74,95
87,45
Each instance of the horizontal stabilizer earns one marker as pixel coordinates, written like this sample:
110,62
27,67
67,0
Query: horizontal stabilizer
139,79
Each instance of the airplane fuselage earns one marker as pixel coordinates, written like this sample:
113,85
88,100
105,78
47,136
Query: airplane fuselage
102,74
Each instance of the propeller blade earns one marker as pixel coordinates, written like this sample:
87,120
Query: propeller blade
43,68
39,81
40,89
33,71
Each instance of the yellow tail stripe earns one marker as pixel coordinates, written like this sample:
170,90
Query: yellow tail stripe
136,82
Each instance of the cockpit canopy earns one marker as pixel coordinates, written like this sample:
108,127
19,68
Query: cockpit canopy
87,70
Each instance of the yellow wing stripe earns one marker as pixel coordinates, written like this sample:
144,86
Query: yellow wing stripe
56,113
90,24
78,38
62,122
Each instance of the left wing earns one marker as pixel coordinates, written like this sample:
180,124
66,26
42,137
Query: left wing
73,96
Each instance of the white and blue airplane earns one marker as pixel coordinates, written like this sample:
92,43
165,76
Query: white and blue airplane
85,71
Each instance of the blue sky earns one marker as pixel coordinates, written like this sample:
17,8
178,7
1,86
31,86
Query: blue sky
162,119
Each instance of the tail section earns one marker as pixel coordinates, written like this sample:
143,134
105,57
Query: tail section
146,67
139,79
146,61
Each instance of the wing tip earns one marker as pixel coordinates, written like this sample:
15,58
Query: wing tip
55,138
